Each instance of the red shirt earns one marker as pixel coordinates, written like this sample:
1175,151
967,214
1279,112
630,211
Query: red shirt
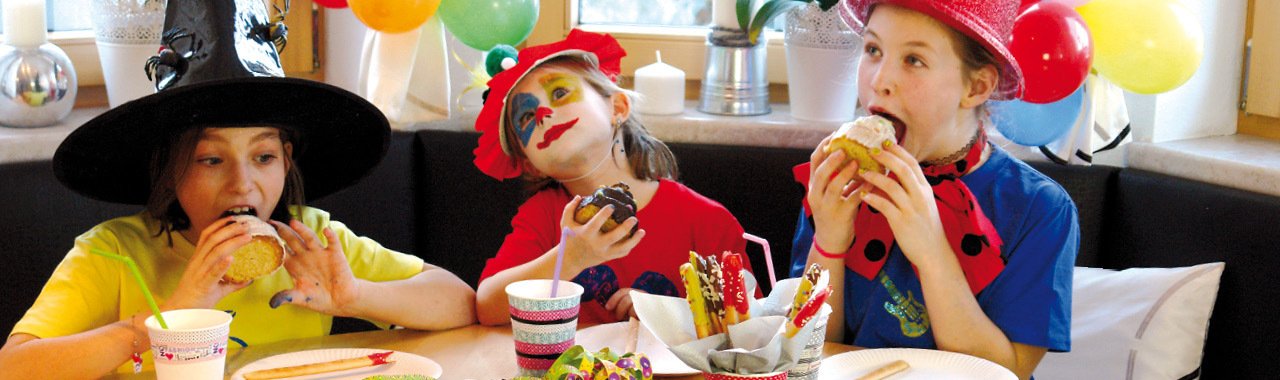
677,220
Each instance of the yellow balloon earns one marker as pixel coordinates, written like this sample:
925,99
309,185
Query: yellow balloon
393,16
1145,46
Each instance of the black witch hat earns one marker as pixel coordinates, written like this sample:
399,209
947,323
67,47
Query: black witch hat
219,68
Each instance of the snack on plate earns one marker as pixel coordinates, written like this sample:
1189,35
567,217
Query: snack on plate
577,363
323,367
857,138
261,256
618,195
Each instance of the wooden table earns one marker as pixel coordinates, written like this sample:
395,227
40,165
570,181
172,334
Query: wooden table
471,352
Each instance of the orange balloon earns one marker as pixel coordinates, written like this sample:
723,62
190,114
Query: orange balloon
393,16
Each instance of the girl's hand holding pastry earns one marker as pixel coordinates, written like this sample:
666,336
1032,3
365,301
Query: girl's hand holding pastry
906,201
322,279
831,197
586,245
201,285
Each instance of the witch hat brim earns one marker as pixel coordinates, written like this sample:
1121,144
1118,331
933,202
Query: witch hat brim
338,136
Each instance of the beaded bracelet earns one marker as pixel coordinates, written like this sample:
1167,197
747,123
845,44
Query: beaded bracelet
829,255
135,357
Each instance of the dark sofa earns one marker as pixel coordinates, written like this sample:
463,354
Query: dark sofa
427,199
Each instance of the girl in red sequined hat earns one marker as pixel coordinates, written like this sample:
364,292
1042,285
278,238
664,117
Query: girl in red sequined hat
555,117
957,246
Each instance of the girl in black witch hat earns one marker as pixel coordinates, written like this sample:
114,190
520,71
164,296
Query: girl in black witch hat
226,135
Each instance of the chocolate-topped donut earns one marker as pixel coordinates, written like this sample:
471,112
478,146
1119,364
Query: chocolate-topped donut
618,195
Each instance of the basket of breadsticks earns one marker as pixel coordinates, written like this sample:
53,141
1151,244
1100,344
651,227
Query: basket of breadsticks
721,329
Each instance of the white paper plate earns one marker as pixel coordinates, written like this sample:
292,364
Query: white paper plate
925,364
614,336
406,364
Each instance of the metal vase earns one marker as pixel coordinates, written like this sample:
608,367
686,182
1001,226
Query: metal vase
37,85
734,83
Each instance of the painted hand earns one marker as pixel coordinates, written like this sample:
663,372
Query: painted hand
322,279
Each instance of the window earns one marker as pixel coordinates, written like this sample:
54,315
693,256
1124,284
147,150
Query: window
676,27
70,26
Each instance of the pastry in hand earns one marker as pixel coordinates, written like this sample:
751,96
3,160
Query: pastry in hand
618,195
261,256
857,138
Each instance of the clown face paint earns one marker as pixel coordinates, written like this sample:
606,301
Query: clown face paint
528,115
562,89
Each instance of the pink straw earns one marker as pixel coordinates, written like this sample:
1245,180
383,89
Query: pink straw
768,257
555,278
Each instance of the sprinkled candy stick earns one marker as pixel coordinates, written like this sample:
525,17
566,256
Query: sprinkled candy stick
807,312
736,309
803,290
709,273
697,304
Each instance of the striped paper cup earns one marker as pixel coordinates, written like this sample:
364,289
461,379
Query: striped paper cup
543,327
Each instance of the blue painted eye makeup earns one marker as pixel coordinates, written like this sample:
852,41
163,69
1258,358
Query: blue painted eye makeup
525,115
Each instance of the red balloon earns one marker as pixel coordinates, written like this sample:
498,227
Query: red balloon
1026,3
332,3
1054,50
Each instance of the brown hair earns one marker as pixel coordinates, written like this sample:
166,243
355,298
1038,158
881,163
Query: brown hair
973,56
169,165
649,157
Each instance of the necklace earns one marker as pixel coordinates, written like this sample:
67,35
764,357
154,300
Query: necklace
953,157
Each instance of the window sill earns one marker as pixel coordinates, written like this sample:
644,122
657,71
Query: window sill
1239,161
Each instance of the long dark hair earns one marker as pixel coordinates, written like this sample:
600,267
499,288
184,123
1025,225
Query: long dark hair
649,157
169,165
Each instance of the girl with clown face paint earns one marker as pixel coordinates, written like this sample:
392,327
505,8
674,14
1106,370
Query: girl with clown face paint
559,121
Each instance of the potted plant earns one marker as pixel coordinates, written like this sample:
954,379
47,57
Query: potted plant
822,55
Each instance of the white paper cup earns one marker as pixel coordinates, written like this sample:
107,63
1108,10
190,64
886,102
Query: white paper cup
193,347
543,327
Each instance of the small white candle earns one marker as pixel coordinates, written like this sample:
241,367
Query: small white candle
24,24
724,13
662,87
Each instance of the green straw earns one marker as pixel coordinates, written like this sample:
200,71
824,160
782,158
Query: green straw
137,276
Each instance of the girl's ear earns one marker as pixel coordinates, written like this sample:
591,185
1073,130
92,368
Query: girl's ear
982,83
621,107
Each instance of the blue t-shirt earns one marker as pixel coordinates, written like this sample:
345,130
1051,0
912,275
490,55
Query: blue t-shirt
1031,298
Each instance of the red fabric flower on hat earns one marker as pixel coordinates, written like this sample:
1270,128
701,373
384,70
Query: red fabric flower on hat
491,155
990,22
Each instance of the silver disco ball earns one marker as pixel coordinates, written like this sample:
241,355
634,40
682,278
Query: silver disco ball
37,85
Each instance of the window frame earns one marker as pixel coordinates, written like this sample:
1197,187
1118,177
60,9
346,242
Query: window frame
303,20
684,48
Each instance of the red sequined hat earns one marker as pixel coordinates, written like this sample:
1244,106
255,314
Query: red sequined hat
492,155
990,22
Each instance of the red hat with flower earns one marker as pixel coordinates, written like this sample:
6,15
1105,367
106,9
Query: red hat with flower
990,22
493,156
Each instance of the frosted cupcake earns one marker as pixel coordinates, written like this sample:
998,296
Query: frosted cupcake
858,137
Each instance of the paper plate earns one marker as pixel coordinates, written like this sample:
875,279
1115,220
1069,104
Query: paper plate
925,364
406,364
614,336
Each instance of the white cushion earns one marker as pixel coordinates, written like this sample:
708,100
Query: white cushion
1140,323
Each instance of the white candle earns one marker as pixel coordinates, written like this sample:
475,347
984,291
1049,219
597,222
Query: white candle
724,13
662,88
24,24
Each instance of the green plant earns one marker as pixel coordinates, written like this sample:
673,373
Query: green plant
770,9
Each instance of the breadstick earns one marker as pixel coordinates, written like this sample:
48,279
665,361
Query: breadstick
886,371
697,305
806,313
323,367
736,309
709,273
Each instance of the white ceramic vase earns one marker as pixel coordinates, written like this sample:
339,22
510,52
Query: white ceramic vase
822,65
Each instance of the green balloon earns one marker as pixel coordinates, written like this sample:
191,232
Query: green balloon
483,24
